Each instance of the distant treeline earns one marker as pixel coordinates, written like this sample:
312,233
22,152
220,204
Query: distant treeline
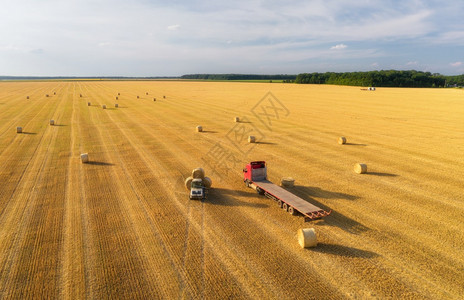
384,78
239,77
389,78
455,80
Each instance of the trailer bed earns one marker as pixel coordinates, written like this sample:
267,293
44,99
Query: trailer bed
310,211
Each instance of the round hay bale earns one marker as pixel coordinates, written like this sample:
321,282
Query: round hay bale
84,158
198,173
360,168
116,105
251,139
199,128
307,237
342,140
154,99
27,97
164,97
188,182
236,119
146,93
54,93
104,106
46,95
80,95
88,103
138,97
19,129
207,182
52,122
116,97
119,94
287,182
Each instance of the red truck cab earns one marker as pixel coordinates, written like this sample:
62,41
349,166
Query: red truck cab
255,171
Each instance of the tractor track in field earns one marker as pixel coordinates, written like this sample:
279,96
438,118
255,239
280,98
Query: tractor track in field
99,215
75,273
144,157
32,155
182,207
176,151
28,210
189,216
399,223
122,225
31,110
130,182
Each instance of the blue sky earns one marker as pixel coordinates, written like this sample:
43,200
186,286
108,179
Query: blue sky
170,38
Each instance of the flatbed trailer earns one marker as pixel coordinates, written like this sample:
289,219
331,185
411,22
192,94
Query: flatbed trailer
255,176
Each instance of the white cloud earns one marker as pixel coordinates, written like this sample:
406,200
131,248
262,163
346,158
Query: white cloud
456,64
338,47
412,63
174,27
37,51
225,34
450,37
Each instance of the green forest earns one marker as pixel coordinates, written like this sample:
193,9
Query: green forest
384,78
389,78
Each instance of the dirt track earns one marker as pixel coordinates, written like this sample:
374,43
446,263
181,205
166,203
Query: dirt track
122,226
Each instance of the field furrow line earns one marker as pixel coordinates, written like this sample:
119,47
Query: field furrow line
134,260
136,184
174,187
14,116
74,273
16,163
121,226
177,151
22,241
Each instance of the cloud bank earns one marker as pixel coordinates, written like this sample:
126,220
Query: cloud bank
148,38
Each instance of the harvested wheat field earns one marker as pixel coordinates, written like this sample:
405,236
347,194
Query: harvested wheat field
122,225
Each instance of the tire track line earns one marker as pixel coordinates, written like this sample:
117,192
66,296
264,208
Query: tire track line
74,268
137,285
21,211
197,225
169,190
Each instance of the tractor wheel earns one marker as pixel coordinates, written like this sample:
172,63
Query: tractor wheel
285,206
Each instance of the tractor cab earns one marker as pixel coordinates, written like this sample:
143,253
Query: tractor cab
197,190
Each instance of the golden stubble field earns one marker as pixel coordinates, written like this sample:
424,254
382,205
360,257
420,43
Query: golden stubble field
122,226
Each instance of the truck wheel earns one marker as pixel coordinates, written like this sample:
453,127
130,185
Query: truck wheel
285,206
259,191
279,203
292,211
